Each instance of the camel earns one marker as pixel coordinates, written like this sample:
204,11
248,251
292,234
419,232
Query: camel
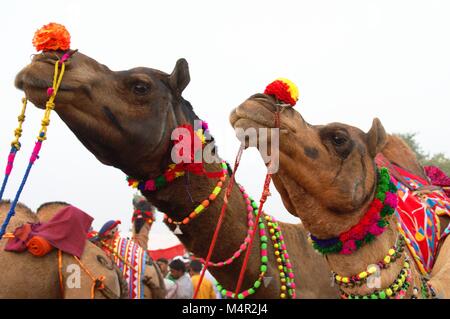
153,282
142,224
327,177
115,114
27,276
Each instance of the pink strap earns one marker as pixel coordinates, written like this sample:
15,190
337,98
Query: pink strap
36,150
9,166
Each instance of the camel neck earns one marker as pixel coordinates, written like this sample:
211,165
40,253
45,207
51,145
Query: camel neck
178,200
142,236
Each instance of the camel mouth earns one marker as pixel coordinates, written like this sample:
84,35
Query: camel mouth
258,111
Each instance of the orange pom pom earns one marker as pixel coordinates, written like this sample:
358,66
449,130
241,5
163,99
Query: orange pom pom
52,37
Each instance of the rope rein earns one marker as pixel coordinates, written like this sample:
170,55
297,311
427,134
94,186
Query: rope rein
264,195
59,70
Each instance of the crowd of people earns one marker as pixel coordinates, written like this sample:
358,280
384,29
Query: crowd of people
182,276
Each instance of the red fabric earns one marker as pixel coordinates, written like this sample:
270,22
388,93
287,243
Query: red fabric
67,231
168,253
438,178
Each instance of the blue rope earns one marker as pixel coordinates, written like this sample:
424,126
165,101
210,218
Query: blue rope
16,199
5,179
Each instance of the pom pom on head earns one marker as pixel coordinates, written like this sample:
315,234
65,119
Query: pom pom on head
283,90
52,37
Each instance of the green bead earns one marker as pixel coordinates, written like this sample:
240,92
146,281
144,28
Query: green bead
261,225
365,297
263,246
240,296
257,284
264,259
263,268
382,294
264,239
373,296
251,291
254,205
223,292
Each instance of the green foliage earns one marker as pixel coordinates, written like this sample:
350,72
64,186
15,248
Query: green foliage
438,159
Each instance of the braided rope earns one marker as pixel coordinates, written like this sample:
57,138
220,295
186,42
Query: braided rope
15,147
50,105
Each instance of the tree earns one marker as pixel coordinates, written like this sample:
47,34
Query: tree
425,159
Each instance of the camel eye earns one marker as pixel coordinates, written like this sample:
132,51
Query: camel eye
141,88
339,139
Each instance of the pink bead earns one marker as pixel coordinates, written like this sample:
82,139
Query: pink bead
247,201
263,252
286,255
220,264
289,265
291,275
251,224
229,294
283,247
229,260
249,208
237,254
245,293
50,91
293,285
247,240
246,195
150,185
281,237
243,247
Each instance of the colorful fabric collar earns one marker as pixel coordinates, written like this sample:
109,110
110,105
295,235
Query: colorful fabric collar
372,224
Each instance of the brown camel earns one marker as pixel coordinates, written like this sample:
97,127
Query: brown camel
142,224
27,276
116,114
327,177
153,282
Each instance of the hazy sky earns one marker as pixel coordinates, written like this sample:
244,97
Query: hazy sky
352,60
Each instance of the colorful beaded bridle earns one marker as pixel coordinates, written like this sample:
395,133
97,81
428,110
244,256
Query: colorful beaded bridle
51,37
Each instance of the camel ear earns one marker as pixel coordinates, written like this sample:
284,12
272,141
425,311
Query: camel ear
376,137
180,77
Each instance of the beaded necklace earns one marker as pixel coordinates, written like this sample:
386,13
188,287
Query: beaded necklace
203,205
147,216
357,280
372,224
397,290
284,265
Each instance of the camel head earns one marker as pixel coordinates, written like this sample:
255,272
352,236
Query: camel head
327,174
122,117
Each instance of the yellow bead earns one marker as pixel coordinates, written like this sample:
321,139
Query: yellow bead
391,252
268,218
338,278
283,296
274,238
372,270
283,287
280,267
363,275
387,260
278,260
389,292
277,253
272,231
283,280
276,246
345,280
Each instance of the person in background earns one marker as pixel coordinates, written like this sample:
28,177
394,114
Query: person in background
206,290
163,264
183,285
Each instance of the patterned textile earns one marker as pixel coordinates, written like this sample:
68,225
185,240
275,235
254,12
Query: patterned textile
130,258
417,213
